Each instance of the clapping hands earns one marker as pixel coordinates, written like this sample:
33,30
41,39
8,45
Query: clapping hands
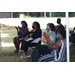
18,27
45,35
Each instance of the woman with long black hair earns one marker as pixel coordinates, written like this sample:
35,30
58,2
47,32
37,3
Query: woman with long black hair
22,32
35,33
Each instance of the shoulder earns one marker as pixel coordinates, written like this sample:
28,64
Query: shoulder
39,30
53,33
61,25
59,43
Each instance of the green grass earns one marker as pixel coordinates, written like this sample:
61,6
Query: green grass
43,17
7,53
8,36
10,56
70,28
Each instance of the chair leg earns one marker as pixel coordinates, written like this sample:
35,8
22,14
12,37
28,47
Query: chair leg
30,50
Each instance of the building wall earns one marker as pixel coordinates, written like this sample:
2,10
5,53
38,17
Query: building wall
5,14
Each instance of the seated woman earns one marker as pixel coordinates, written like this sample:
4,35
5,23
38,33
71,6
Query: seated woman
43,49
21,35
35,33
59,49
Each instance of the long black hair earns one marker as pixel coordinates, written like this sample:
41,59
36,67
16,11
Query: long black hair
25,23
38,25
63,33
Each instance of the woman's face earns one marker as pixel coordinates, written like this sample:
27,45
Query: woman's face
22,24
48,27
34,26
59,34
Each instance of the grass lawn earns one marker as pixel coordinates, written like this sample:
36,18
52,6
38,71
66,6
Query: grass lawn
7,53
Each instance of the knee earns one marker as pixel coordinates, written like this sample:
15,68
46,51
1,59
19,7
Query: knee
14,39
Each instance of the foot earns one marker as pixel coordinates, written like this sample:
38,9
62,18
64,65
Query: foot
16,51
25,56
22,56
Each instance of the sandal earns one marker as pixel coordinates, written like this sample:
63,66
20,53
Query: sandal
22,56
25,56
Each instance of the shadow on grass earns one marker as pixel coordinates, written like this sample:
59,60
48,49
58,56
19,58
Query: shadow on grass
7,55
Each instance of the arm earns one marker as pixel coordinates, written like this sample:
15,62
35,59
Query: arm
52,45
24,31
26,38
17,31
44,40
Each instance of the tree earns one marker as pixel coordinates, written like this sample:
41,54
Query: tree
44,14
27,13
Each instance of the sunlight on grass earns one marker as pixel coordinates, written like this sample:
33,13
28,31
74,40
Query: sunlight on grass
8,34
4,35
7,44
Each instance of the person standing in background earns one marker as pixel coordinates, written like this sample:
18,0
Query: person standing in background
59,26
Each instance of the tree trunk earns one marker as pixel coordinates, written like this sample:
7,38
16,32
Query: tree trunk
0,38
44,14
27,13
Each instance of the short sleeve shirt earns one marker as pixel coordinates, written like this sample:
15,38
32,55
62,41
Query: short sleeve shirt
53,34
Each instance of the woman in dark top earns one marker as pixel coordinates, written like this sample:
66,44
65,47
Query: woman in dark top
21,35
35,33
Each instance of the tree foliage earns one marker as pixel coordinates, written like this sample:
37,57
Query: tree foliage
41,14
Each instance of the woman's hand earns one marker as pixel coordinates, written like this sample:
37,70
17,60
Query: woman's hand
16,28
45,35
30,35
19,27
42,38
26,38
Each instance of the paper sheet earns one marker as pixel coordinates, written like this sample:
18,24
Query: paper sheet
29,39
36,40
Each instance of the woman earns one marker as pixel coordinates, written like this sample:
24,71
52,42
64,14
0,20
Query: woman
43,49
59,49
35,33
21,35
